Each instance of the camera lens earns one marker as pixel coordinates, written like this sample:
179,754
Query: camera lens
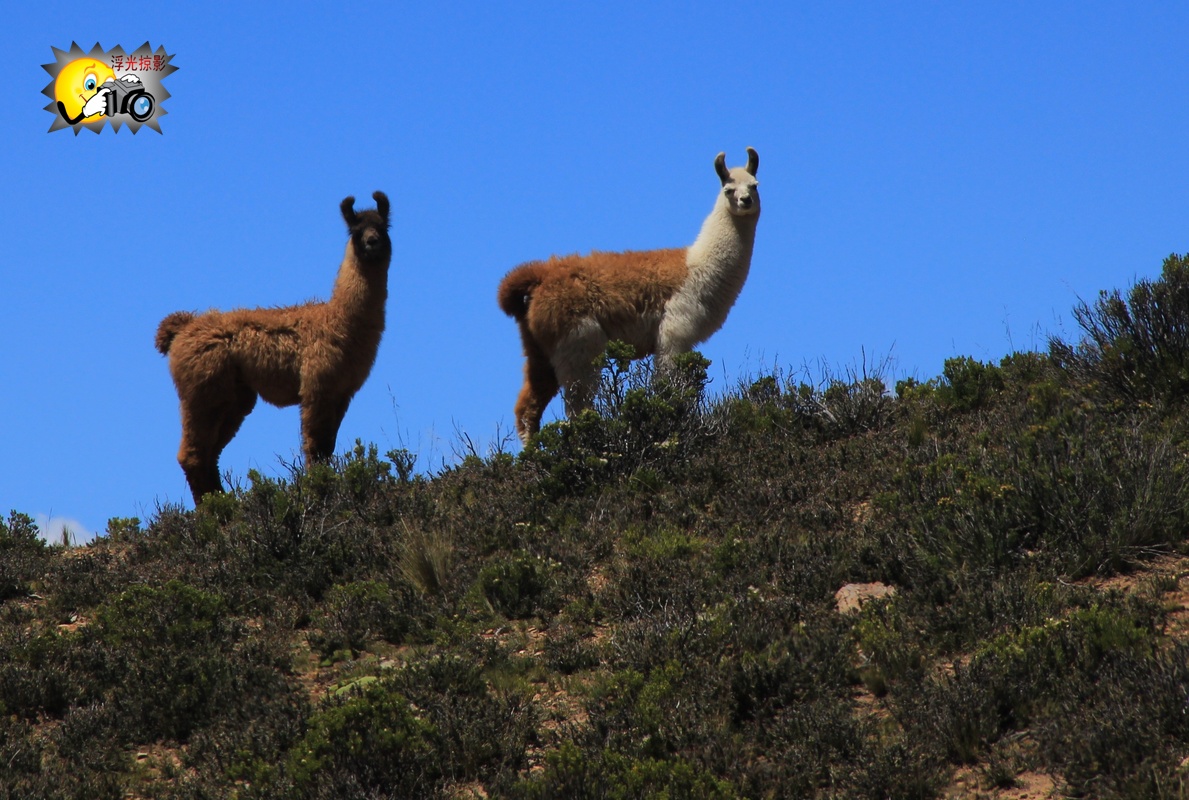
141,107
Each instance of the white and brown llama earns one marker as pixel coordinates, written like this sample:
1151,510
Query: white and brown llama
662,302
316,355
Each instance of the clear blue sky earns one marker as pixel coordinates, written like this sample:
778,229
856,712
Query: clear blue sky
938,179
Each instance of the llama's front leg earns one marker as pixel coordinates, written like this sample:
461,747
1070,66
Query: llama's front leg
673,338
580,390
320,428
574,363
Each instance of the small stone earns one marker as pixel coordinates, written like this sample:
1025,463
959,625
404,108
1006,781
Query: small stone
850,598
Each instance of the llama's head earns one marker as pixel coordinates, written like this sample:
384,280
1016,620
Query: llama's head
369,230
740,189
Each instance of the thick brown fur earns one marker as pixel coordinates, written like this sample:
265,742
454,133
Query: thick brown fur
662,302
315,355
614,288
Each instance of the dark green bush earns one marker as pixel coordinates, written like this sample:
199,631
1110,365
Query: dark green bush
968,384
484,731
43,672
1018,678
174,659
354,614
404,735
520,585
640,419
36,768
1127,733
22,555
371,740
573,773
568,652
1135,348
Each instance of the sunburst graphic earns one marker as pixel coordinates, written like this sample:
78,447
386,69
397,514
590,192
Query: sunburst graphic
88,89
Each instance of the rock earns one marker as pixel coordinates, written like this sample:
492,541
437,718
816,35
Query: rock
850,598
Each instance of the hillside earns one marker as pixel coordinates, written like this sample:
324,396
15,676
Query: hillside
644,603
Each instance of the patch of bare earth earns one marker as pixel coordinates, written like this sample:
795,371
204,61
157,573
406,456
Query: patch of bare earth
1168,571
157,765
866,702
970,783
465,791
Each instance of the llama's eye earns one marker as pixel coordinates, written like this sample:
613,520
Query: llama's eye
729,190
89,83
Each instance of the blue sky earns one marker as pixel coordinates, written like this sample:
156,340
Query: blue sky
938,179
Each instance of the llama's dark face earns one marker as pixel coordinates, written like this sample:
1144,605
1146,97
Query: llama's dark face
370,236
369,230
740,188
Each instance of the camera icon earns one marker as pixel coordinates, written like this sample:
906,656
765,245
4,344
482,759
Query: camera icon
131,98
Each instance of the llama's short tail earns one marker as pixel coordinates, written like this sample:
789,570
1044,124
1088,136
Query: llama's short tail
170,327
516,289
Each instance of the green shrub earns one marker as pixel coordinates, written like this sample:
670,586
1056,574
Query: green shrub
890,645
1135,348
1018,678
968,384
484,731
640,419
371,740
123,529
173,659
354,614
520,585
568,652
1126,733
404,734
36,675
22,555
606,775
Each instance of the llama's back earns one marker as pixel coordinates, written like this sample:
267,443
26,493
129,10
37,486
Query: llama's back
612,288
262,347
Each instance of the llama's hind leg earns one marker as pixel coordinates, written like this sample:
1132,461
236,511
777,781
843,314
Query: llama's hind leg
206,430
239,404
198,454
540,386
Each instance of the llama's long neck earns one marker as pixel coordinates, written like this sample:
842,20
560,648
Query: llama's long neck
718,262
359,298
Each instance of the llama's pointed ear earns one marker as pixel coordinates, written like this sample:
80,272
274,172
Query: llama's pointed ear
720,166
753,161
348,209
381,204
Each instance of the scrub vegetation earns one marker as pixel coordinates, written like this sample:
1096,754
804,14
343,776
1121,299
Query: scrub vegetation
641,604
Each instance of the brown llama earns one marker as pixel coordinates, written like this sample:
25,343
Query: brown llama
316,355
662,302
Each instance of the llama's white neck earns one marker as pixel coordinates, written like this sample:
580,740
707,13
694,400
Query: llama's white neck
718,262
